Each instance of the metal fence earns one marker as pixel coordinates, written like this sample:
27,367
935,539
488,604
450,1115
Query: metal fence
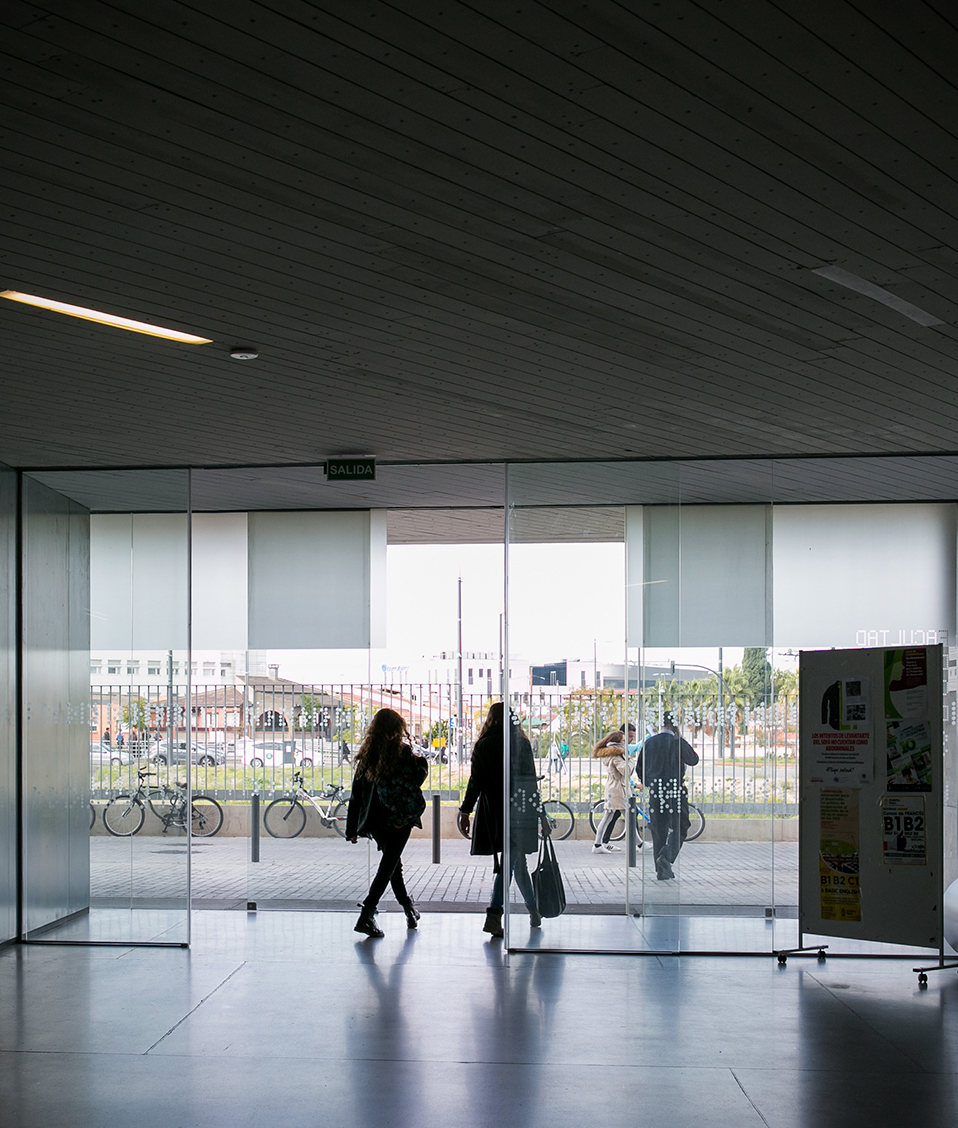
246,739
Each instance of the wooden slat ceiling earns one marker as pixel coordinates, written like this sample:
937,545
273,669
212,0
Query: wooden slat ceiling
466,231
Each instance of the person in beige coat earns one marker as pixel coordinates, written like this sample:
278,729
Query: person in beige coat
613,751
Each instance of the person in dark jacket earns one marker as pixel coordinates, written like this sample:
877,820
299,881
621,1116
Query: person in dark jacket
484,795
386,803
661,765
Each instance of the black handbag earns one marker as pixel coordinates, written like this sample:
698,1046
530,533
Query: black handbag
547,881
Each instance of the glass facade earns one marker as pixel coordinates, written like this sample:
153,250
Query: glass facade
220,667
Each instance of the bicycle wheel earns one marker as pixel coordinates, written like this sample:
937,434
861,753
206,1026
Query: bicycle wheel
698,824
560,816
207,816
284,818
161,804
596,815
92,816
337,820
123,815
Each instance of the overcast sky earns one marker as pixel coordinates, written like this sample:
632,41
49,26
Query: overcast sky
563,598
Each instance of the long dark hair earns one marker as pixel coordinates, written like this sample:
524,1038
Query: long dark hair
493,720
494,723
386,739
521,762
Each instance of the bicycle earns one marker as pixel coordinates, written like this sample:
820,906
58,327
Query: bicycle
125,814
558,819
642,821
206,815
558,816
285,817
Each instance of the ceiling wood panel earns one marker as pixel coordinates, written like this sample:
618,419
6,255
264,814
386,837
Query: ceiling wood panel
463,232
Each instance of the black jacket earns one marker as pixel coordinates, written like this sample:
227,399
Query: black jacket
664,757
484,795
367,815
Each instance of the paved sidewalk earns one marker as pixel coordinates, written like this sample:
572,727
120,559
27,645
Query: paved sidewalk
328,873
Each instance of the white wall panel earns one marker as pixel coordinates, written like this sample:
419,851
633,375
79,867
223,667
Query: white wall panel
377,577
139,581
310,576
864,575
705,574
220,570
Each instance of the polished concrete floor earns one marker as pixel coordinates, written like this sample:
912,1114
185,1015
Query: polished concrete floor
292,1019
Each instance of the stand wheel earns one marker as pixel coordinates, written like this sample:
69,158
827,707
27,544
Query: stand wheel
821,955
782,959
922,979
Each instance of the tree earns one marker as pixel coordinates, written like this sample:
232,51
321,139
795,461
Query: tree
786,683
136,714
757,675
438,734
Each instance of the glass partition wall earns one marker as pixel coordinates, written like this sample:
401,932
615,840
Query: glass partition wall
107,753
672,844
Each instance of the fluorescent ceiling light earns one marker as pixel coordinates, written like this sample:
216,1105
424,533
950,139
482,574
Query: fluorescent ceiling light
105,318
870,290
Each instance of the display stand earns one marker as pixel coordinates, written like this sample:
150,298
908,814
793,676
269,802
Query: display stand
872,771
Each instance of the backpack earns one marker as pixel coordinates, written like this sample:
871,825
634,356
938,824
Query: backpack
401,798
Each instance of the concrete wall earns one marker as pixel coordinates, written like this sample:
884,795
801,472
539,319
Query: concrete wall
8,750
56,706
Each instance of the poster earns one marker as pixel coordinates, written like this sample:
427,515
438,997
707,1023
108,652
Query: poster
904,830
906,683
842,737
838,856
908,756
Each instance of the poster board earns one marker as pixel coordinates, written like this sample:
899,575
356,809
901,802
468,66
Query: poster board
871,789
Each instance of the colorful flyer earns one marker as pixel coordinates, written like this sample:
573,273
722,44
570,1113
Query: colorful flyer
903,830
908,756
842,742
906,683
838,858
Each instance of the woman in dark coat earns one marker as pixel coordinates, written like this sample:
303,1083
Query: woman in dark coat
386,803
485,789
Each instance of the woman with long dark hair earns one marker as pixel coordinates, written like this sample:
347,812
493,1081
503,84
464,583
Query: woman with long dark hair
386,803
484,795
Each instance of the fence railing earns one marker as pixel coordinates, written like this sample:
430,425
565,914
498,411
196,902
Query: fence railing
241,740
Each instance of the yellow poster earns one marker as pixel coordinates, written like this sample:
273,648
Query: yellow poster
838,856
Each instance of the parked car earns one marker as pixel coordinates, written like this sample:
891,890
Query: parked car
207,755
103,755
271,752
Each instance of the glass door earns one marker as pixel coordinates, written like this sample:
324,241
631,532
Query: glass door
681,673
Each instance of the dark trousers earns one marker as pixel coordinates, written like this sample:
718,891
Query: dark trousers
520,871
668,819
391,840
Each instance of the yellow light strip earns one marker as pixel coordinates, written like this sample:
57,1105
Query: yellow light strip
105,318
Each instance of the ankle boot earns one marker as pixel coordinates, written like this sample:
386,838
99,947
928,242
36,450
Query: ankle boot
412,915
535,919
367,923
493,923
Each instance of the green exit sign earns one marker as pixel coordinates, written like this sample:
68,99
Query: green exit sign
350,469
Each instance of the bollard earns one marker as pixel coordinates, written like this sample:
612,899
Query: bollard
436,830
631,828
254,828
